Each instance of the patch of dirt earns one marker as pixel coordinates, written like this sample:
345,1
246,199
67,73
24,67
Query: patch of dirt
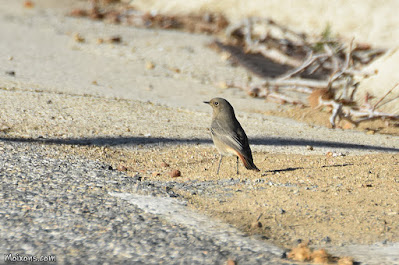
327,199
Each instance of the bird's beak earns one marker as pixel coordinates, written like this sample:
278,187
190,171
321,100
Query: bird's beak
207,102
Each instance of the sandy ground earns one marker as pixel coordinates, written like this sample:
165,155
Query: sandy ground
364,21
337,188
367,21
348,199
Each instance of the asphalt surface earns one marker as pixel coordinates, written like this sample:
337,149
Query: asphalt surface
85,212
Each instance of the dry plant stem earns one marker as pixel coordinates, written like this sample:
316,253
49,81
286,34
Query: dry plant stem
257,47
336,109
321,64
299,37
297,84
264,92
345,89
273,54
284,99
345,67
370,114
335,61
301,82
310,60
383,97
348,113
300,89
340,80
248,23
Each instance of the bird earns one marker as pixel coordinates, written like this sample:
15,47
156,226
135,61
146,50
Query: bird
228,135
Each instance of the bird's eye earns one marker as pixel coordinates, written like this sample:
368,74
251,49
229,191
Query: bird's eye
216,103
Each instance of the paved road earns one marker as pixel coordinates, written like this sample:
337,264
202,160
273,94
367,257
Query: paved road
84,212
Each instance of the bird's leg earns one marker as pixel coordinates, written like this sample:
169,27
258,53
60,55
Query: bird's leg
237,166
220,162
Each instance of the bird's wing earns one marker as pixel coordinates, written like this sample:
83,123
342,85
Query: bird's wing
236,139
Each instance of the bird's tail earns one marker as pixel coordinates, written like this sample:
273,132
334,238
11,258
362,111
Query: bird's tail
248,162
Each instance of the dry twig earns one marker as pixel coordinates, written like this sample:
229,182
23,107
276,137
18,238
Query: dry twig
335,67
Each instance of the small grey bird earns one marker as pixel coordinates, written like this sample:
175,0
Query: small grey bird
228,135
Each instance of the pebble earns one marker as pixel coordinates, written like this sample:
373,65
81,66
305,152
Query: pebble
28,4
256,224
149,65
175,173
121,168
78,38
11,73
115,39
230,262
137,177
164,164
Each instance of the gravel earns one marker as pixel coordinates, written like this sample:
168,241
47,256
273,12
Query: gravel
79,211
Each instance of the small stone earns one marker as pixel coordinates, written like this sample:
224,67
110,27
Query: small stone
175,69
345,261
12,73
225,56
164,164
230,262
121,168
329,154
29,4
222,85
256,224
78,38
115,39
326,239
94,82
137,177
4,128
370,132
149,65
347,125
338,154
309,147
78,13
175,173
155,174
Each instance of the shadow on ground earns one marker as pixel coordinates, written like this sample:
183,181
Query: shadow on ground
119,141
